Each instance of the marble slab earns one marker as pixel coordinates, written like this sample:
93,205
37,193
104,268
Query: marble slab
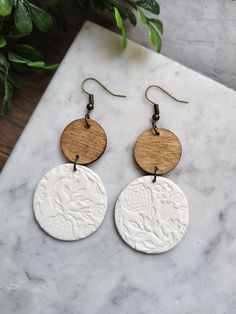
101,274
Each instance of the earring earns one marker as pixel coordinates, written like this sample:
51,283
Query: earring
70,201
151,213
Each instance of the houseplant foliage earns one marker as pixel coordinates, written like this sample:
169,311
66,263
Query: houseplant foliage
18,18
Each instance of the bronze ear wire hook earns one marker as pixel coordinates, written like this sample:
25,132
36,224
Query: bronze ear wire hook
93,79
90,105
164,91
156,115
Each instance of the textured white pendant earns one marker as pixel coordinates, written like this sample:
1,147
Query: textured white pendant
152,217
70,205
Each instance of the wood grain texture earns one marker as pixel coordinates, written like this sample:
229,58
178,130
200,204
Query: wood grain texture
88,143
162,151
3,158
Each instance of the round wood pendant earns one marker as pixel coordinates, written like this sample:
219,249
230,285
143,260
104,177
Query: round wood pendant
88,143
161,152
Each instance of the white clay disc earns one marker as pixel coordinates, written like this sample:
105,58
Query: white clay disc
70,205
152,217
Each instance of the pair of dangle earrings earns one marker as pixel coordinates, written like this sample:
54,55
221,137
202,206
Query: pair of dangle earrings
151,213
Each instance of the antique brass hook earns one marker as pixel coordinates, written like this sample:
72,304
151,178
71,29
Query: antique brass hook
93,79
156,115
90,105
164,91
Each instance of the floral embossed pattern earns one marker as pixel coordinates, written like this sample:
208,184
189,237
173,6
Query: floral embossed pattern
152,217
70,205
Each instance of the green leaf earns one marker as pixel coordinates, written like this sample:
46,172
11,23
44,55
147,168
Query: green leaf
51,67
124,37
41,18
59,17
158,24
5,7
155,38
152,35
36,64
131,17
3,62
141,16
14,34
23,21
2,42
41,65
49,2
13,57
131,3
119,21
29,52
120,25
126,13
2,75
8,91
159,43
149,5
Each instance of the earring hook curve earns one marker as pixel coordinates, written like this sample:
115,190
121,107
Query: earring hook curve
90,105
164,91
156,115
95,80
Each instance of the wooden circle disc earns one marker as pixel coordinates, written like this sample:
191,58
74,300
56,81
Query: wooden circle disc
162,151
88,143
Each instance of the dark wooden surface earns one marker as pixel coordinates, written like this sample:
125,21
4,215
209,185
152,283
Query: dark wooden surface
54,45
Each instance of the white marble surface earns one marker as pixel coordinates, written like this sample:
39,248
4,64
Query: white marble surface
101,274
